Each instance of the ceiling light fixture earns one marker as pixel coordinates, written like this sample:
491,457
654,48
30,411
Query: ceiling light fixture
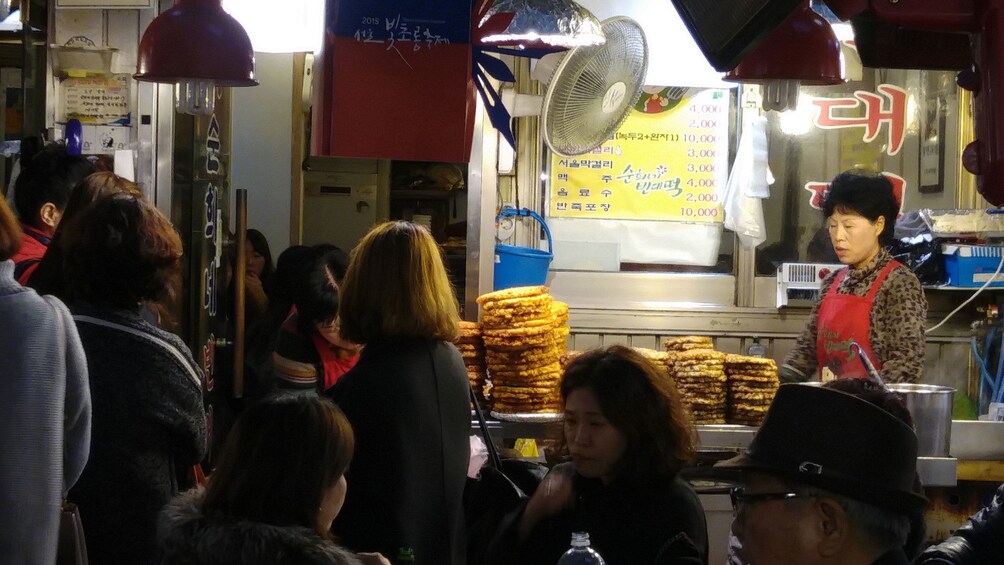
196,46
802,50
548,24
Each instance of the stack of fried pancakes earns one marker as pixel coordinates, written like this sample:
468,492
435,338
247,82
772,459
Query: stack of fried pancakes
472,349
752,383
524,332
687,343
699,375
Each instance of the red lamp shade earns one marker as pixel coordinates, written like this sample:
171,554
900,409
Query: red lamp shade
803,48
196,40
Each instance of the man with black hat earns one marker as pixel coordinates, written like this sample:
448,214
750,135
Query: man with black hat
828,478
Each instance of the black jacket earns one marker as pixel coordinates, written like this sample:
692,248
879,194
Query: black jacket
187,537
149,428
408,403
979,541
629,523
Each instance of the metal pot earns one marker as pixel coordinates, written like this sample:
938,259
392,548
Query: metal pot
931,408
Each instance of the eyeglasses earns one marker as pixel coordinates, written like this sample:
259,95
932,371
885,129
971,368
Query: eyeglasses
739,497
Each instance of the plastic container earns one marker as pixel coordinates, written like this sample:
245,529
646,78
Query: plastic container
522,266
580,553
956,224
969,266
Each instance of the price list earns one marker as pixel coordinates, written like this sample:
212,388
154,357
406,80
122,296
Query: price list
664,163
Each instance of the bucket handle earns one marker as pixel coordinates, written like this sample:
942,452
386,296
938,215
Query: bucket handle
527,213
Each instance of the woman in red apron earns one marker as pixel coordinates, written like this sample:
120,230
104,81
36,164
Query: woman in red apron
874,301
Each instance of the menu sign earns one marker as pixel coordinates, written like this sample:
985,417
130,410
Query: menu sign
96,100
662,164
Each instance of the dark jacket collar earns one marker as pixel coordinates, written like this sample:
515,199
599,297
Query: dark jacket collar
894,557
185,535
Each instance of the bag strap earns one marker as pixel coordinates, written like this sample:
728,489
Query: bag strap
493,453
163,344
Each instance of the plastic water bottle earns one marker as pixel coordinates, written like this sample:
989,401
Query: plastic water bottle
580,553
405,555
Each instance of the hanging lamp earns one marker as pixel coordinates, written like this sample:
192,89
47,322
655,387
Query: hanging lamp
196,46
802,50
548,24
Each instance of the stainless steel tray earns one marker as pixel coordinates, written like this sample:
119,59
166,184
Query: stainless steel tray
528,418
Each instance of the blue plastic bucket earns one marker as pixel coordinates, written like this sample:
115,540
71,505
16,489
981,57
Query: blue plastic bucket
522,266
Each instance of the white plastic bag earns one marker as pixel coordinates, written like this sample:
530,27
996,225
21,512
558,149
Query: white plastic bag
748,183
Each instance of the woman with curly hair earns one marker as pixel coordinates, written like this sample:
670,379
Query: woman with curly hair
48,277
149,423
627,435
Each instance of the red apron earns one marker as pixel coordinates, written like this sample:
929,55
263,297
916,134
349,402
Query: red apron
841,318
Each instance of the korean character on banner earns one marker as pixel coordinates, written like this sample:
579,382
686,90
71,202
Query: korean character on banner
597,151
563,163
596,164
608,164
212,205
577,206
209,294
607,178
573,164
561,206
403,34
590,207
584,192
563,176
605,207
562,192
607,149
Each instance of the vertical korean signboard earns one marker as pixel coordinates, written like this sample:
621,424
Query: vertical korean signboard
662,164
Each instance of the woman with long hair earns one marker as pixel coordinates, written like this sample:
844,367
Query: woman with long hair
627,435
279,483
310,355
407,399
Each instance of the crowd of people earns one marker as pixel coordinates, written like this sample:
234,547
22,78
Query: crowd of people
353,446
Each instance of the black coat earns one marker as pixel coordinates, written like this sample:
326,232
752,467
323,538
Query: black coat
187,537
629,523
408,403
980,540
149,428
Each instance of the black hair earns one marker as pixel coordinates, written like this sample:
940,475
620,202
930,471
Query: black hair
277,462
282,288
260,244
48,174
319,296
868,195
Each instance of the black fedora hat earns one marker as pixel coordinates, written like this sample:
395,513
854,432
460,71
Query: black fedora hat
838,442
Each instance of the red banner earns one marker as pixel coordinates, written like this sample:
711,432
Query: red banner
397,83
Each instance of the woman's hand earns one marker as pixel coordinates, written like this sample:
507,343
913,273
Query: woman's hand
255,292
372,559
554,494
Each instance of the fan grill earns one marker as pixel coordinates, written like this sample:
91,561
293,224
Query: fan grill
575,121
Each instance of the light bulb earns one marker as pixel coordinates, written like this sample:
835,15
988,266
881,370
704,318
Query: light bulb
195,96
780,95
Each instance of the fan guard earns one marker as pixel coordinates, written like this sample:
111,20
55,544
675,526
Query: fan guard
594,89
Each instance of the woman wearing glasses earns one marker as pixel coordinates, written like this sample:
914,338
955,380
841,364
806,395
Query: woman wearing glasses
628,436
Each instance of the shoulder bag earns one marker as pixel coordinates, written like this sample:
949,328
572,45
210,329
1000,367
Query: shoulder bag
500,488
